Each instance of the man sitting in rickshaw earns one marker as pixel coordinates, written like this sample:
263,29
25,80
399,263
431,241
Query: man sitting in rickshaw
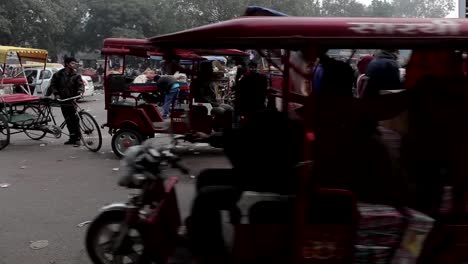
204,91
263,152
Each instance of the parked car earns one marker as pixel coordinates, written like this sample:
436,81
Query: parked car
39,79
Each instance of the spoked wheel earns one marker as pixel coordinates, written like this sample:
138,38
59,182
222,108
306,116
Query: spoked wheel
103,234
33,134
90,132
4,132
124,139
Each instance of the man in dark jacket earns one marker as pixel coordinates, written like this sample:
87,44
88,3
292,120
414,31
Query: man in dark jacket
383,73
66,83
264,153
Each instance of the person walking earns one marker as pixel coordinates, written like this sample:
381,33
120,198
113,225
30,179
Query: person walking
66,83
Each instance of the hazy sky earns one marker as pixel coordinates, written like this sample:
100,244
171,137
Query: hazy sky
453,14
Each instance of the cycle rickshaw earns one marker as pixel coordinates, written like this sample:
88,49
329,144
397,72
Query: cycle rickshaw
21,112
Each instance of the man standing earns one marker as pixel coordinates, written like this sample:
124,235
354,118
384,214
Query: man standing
66,83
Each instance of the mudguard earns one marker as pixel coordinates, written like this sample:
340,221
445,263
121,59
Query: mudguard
115,207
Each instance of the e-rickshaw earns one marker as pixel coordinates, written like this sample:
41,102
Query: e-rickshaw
131,119
308,237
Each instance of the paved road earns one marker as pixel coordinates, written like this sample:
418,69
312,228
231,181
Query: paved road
54,187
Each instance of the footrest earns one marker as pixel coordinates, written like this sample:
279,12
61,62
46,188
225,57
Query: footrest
164,125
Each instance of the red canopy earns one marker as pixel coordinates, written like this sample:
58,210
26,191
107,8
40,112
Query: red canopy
144,48
220,52
282,32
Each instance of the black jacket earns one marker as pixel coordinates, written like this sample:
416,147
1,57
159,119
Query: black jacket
204,91
65,85
383,73
264,151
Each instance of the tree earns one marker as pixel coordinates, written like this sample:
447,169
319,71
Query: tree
342,8
380,8
130,18
44,24
423,8
290,7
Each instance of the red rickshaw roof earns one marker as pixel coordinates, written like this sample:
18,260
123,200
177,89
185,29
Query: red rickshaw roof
220,52
126,43
294,32
141,47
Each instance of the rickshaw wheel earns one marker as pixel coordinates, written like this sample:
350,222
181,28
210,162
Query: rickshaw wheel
4,132
124,139
33,134
90,132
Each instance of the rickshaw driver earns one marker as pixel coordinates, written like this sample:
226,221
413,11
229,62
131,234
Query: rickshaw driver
171,64
204,92
66,83
263,152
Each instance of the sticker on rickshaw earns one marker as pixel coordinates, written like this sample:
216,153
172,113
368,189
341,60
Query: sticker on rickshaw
440,27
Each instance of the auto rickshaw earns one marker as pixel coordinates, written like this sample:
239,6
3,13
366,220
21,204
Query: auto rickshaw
131,119
313,234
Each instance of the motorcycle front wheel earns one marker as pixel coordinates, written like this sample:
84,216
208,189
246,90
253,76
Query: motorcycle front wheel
102,235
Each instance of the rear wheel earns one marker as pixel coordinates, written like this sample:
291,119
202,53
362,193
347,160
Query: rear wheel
4,132
124,139
90,132
102,235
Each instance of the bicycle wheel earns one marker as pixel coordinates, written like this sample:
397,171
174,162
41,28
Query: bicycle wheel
34,134
4,132
90,132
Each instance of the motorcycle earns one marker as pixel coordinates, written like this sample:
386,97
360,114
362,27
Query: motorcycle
145,229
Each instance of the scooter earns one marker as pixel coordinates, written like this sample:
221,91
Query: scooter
145,229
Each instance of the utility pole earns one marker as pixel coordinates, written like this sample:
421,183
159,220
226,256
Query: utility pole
462,9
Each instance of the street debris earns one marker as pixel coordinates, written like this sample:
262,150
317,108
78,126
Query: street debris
80,225
115,169
40,244
72,157
42,145
4,185
23,167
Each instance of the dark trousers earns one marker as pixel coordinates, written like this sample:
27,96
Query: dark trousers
216,191
72,120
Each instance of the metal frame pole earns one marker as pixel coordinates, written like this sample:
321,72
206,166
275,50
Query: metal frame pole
462,9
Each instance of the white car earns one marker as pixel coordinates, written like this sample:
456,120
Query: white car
89,85
39,79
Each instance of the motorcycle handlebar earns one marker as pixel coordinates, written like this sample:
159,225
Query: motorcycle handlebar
174,161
